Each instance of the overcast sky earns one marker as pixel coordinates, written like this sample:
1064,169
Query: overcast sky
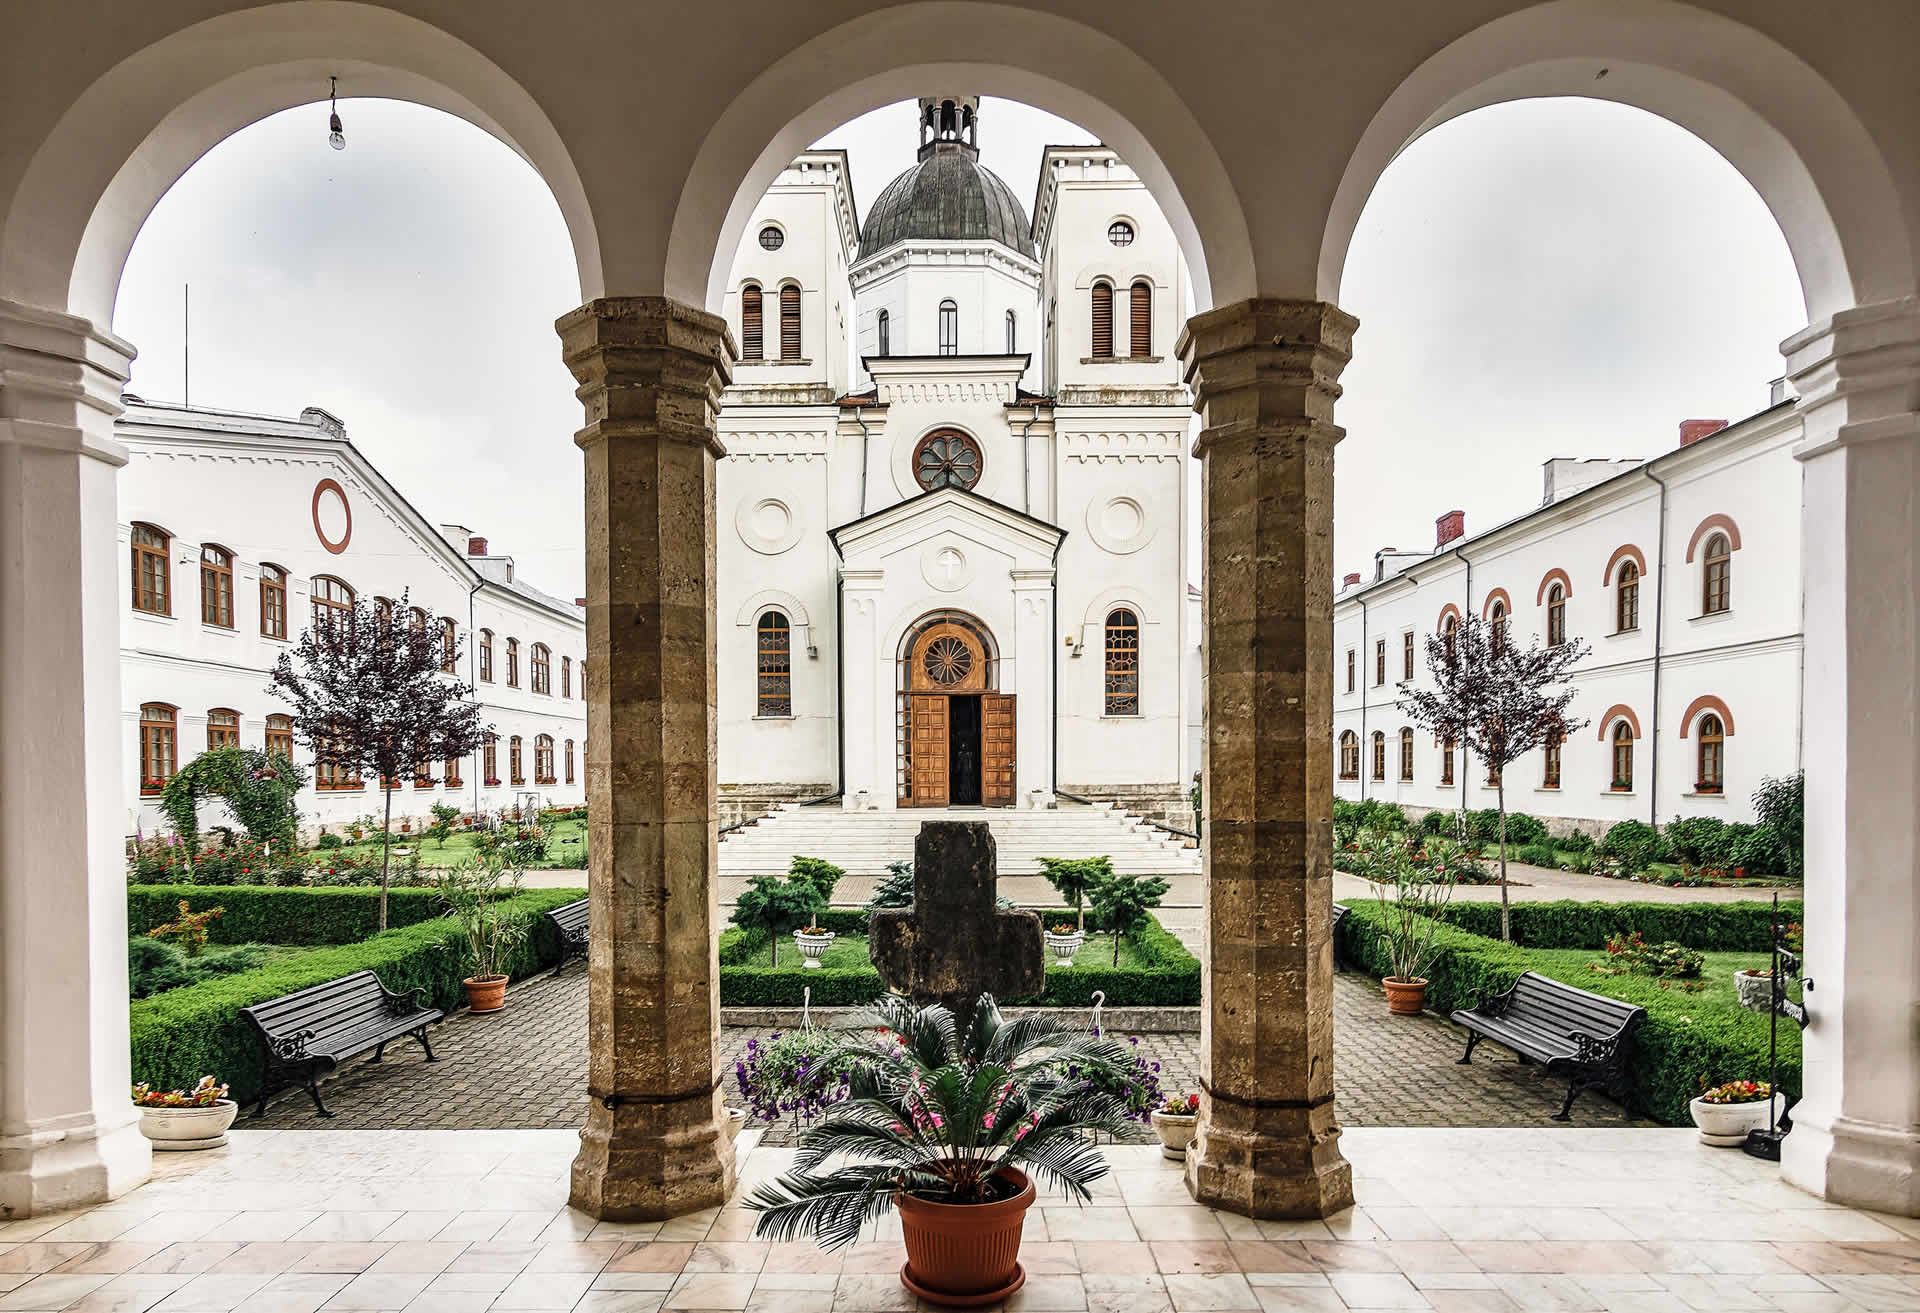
1550,278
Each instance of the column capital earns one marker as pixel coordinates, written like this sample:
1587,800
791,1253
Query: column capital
1855,372
1267,365
648,366
60,382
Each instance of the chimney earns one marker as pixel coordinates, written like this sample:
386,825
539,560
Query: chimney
1350,580
476,545
1692,430
1448,527
579,601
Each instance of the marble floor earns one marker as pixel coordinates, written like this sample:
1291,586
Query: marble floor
1621,1220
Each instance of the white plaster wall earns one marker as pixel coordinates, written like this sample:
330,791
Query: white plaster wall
805,205
984,280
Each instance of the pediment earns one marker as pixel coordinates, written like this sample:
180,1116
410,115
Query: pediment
948,511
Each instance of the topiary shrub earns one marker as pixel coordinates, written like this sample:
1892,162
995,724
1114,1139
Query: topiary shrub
1633,844
1538,854
818,872
1577,842
1437,822
1700,840
1523,829
326,841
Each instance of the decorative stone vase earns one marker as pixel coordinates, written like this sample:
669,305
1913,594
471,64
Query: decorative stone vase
485,993
1063,947
180,1129
1405,998
1725,1125
1755,990
1175,1132
736,1118
812,947
965,1255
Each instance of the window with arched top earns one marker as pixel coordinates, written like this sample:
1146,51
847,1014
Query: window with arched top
569,761
513,663
280,736
1497,619
159,747
1556,615
1379,661
223,728
542,669
1447,749
423,774
449,646
152,575
1622,757
753,335
1626,598
1712,757
566,676
515,775
1349,755
1140,320
332,602
1013,334
273,601
1550,758
790,322
773,670
216,586
883,322
1102,321
1406,754
450,772
543,760
490,760
486,657
1123,663
949,328
1716,578
1448,629
416,620
1379,754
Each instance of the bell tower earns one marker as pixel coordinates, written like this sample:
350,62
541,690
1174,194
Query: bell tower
950,124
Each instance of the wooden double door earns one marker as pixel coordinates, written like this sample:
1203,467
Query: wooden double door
960,733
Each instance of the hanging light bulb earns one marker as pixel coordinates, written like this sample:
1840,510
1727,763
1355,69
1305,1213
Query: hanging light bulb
336,135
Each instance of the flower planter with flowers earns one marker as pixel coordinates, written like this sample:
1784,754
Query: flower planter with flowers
182,1120
1727,1112
1175,1122
1063,941
813,943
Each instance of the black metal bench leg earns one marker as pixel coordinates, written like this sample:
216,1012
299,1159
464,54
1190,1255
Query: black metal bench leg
421,1036
379,1052
1573,1092
1473,1038
313,1089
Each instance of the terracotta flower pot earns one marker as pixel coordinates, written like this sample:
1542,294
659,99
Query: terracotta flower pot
188,1128
964,1255
485,993
1405,998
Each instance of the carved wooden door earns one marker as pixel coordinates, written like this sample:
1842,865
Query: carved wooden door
996,750
929,747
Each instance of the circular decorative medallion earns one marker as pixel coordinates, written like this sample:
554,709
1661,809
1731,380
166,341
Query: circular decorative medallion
947,458
332,516
947,660
767,524
1119,525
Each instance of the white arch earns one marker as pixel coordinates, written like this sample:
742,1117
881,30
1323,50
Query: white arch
1776,120
771,599
1112,599
998,50
130,135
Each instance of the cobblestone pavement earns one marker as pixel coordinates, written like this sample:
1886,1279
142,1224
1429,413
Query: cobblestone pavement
525,1068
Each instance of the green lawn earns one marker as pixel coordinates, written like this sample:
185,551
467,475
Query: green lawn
1713,988
566,847
850,951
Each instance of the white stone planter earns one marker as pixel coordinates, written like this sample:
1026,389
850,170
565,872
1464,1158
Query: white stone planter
736,1118
1175,1132
1754,990
1063,947
1725,1125
812,946
188,1128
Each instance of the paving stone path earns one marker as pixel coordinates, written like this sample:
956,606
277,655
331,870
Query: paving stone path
525,1068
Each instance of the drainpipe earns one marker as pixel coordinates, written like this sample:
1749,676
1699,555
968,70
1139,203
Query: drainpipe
840,680
473,680
1053,720
1026,461
1468,600
1366,746
1659,626
864,443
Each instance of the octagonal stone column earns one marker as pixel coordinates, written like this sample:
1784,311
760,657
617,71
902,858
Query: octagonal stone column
650,373
1264,374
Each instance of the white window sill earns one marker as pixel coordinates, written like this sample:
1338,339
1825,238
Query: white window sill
1710,617
1132,719
1546,788
778,362
1625,633
150,617
1120,360
775,720
1618,793
1707,796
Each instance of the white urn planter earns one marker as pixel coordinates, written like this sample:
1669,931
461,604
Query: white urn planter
1063,947
1725,1125
1175,1132
1754,990
736,1118
180,1129
812,947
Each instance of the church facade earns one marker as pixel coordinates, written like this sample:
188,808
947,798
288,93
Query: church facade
951,517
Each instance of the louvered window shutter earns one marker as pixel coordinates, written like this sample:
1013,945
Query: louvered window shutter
750,334
1102,320
789,323
1140,325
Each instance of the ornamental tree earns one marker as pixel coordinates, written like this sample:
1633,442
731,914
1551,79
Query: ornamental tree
772,906
370,696
1123,901
1497,699
1074,878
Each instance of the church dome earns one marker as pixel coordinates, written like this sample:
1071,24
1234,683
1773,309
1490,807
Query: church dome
947,196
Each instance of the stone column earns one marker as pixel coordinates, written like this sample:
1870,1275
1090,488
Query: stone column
1856,1133
69,1135
650,372
1264,377
1034,655
868,708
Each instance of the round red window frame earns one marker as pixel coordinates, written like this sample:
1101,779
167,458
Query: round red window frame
972,442
320,490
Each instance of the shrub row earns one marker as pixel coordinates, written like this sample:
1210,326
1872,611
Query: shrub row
258,914
184,1034
1686,1043
1712,927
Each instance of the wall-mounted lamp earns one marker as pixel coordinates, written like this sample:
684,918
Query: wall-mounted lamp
336,134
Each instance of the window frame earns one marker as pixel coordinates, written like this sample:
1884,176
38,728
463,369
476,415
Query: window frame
1557,615
152,567
883,331
1621,740
223,733
569,759
949,325
273,601
1406,755
486,656
566,676
1140,320
1379,757
1497,622
278,737
159,746
513,663
1711,746
1626,598
773,666
1349,755
450,772
1552,759
327,609
1716,576
1406,656
1352,669
1013,334
1120,668
540,659
1379,662
790,322
490,761
1449,750
753,324
449,646
516,766
1100,301
216,586
543,772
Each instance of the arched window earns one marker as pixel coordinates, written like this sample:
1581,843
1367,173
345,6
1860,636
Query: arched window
449,646
159,750
515,775
280,736
423,774
513,663
490,760
790,322
1550,760
752,328
543,760
486,658
949,328
273,601
1140,321
1622,757
416,620
1448,629
1349,755
774,666
152,576
1446,761
885,325
566,677
216,586
569,761
1102,321
1406,754
1716,581
223,728
1497,616
1556,615
1713,761
383,611
1379,755
1626,600
450,772
1123,663
1013,335
542,669
332,603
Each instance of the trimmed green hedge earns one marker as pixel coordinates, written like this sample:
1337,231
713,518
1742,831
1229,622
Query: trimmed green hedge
1688,1041
1174,980
184,1034
1710,927
259,914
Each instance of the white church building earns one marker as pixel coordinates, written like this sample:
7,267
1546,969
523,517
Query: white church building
951,518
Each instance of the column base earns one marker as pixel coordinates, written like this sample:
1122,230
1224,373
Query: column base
645,1162
1859,1164
1269,1162
50,1169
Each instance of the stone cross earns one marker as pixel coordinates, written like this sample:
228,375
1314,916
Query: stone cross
954,944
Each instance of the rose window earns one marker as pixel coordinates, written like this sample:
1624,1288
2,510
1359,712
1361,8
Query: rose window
948,660
947,460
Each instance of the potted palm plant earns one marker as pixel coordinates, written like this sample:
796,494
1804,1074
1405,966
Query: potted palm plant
1412,900
945,1124
475,893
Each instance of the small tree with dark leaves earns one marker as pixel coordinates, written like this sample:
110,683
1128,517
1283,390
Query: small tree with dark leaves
1499,700
369,695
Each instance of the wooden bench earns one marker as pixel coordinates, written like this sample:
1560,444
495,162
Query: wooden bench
310,1032
571,922
1564,1029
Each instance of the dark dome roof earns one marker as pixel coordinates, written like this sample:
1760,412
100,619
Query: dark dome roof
947,196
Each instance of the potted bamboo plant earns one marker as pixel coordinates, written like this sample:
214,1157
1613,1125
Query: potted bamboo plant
475,893
1412,900
944,1125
